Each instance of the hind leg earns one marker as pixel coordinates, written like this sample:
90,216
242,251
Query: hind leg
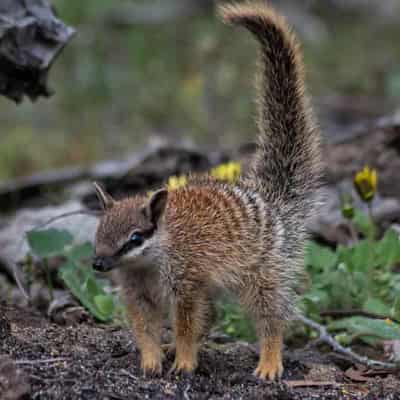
270,364
264,303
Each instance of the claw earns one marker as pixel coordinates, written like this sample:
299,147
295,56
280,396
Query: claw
269,370
182,366
151,364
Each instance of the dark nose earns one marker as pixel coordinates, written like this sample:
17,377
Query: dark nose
102,264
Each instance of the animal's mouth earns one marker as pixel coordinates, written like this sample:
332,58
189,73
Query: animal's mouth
104,264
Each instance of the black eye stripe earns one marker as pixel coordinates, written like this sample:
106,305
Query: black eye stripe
128,246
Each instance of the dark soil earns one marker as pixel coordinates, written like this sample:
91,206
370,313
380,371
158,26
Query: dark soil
43,360
40,359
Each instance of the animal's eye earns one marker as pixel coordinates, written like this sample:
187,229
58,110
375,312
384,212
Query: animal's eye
136,239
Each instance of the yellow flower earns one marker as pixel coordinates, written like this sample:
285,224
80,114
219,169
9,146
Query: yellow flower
227,172
176,182
365,183
388,321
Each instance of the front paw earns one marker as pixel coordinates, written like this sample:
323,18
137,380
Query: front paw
151,364
186,364
270,370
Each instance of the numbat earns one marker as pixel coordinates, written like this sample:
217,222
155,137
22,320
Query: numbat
178,248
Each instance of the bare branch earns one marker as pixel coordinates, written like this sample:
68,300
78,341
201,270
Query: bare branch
41,361
325,337
83,211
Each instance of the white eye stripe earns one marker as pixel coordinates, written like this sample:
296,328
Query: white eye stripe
138,251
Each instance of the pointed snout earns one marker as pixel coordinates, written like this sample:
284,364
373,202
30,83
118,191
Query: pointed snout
103,264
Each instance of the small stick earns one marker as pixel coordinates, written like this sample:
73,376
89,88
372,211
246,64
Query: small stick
325,337
128,374
82,211
186,393
41,361
296,384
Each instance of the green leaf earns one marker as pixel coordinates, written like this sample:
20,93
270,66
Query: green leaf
343,338
361,256
81,282
396,309
388,249
80,252
105,304
91,286
363,223
319,257
48,243
376,306
315,301
235,323
372,329
344,254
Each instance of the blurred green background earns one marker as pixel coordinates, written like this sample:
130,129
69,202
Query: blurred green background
125,79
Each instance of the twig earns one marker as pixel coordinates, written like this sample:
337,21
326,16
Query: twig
186,393
41,361
83,211
305,383
128,374
325,337
356,312
16,272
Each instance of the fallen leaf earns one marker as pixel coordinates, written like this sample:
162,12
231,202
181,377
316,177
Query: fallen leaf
356,374
304,383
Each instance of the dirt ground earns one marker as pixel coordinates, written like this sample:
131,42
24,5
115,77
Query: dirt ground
43,360
40,359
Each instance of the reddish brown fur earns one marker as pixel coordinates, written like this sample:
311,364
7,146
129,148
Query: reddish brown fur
207,236
117,223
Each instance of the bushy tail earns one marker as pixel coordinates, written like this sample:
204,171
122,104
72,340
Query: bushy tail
287,165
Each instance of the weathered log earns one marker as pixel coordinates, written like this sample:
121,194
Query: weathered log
31,38
142,170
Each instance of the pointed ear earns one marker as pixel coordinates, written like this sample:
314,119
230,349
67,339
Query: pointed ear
156,205
106,201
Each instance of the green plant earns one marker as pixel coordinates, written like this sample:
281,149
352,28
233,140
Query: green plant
359,278
235,323
75,272
353,276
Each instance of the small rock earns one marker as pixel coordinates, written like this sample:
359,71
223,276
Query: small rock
13,382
